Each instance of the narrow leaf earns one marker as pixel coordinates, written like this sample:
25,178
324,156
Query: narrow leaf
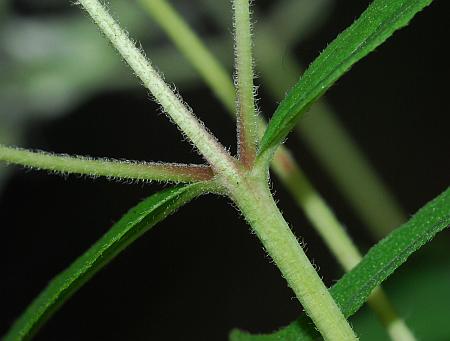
353,289
381,19
131,226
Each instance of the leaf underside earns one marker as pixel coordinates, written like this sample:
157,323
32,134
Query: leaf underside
130,227
380,20
353,289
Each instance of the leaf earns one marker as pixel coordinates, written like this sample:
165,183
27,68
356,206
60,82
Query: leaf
380,20
353,289
130,227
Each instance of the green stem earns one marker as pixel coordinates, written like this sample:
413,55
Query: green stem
335,237
256,203
248,135
195,130
113,169
321,129
284,166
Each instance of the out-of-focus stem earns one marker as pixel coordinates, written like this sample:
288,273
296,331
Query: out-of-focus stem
351,171
395,326
217,78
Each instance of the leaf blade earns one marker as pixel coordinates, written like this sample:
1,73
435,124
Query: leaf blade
131,226
377,23
353,289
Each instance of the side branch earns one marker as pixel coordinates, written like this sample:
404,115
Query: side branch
284,166
247,131
112,169
206,143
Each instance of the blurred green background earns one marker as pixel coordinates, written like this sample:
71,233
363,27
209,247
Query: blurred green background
201,273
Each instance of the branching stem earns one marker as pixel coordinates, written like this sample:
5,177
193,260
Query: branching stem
284,166
248,137
113,169
253,198
206,143
243,180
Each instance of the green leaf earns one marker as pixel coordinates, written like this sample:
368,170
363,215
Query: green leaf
380,20
130,227
353,289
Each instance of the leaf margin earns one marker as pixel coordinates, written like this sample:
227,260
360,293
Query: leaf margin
127,229
298,100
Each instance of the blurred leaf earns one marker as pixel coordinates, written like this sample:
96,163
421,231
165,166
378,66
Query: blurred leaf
130,227
381,19
353,289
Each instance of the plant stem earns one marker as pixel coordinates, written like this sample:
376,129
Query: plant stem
321,128
336,238
284,166
113,169
248,135
193,49
206,143
256,203
317,212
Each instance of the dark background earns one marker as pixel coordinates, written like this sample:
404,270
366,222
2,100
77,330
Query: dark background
201,272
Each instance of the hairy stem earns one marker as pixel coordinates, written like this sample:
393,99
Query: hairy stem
248,136
284,166
206,143
336,238
255,201
320,129
113,169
